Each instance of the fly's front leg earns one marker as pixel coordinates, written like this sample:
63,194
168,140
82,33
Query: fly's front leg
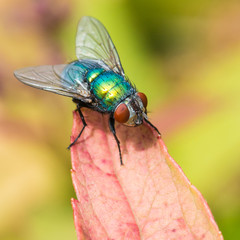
84,125
152,126
112,128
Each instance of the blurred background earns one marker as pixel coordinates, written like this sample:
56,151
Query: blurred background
185,55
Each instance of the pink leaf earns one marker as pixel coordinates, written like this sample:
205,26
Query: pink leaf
148,197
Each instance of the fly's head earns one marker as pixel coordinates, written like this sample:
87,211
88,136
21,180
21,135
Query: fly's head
132,111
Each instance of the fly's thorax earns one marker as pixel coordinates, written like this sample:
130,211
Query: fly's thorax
92,74
109,89
132,110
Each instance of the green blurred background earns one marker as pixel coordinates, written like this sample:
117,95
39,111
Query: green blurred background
185,55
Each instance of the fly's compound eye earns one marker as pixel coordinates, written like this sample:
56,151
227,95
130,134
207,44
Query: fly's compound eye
122,113
143,97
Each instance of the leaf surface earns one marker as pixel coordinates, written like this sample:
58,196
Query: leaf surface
148,197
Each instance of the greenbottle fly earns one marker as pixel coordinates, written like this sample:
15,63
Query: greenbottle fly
96,80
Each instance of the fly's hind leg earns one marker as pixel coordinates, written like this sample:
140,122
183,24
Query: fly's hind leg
84,125
112,128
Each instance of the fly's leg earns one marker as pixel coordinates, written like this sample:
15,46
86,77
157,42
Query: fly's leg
84,125
152,126
112,128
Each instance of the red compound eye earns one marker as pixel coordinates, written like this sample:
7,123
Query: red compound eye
121,114
143,97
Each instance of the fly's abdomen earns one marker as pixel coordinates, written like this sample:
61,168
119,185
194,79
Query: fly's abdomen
77,72
110,88
74,72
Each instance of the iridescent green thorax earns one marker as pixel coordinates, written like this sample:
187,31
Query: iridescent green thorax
110,88
93,73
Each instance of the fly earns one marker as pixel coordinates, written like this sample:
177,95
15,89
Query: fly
96,80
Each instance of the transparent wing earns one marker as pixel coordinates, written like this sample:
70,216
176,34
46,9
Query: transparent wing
49,78
94,42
